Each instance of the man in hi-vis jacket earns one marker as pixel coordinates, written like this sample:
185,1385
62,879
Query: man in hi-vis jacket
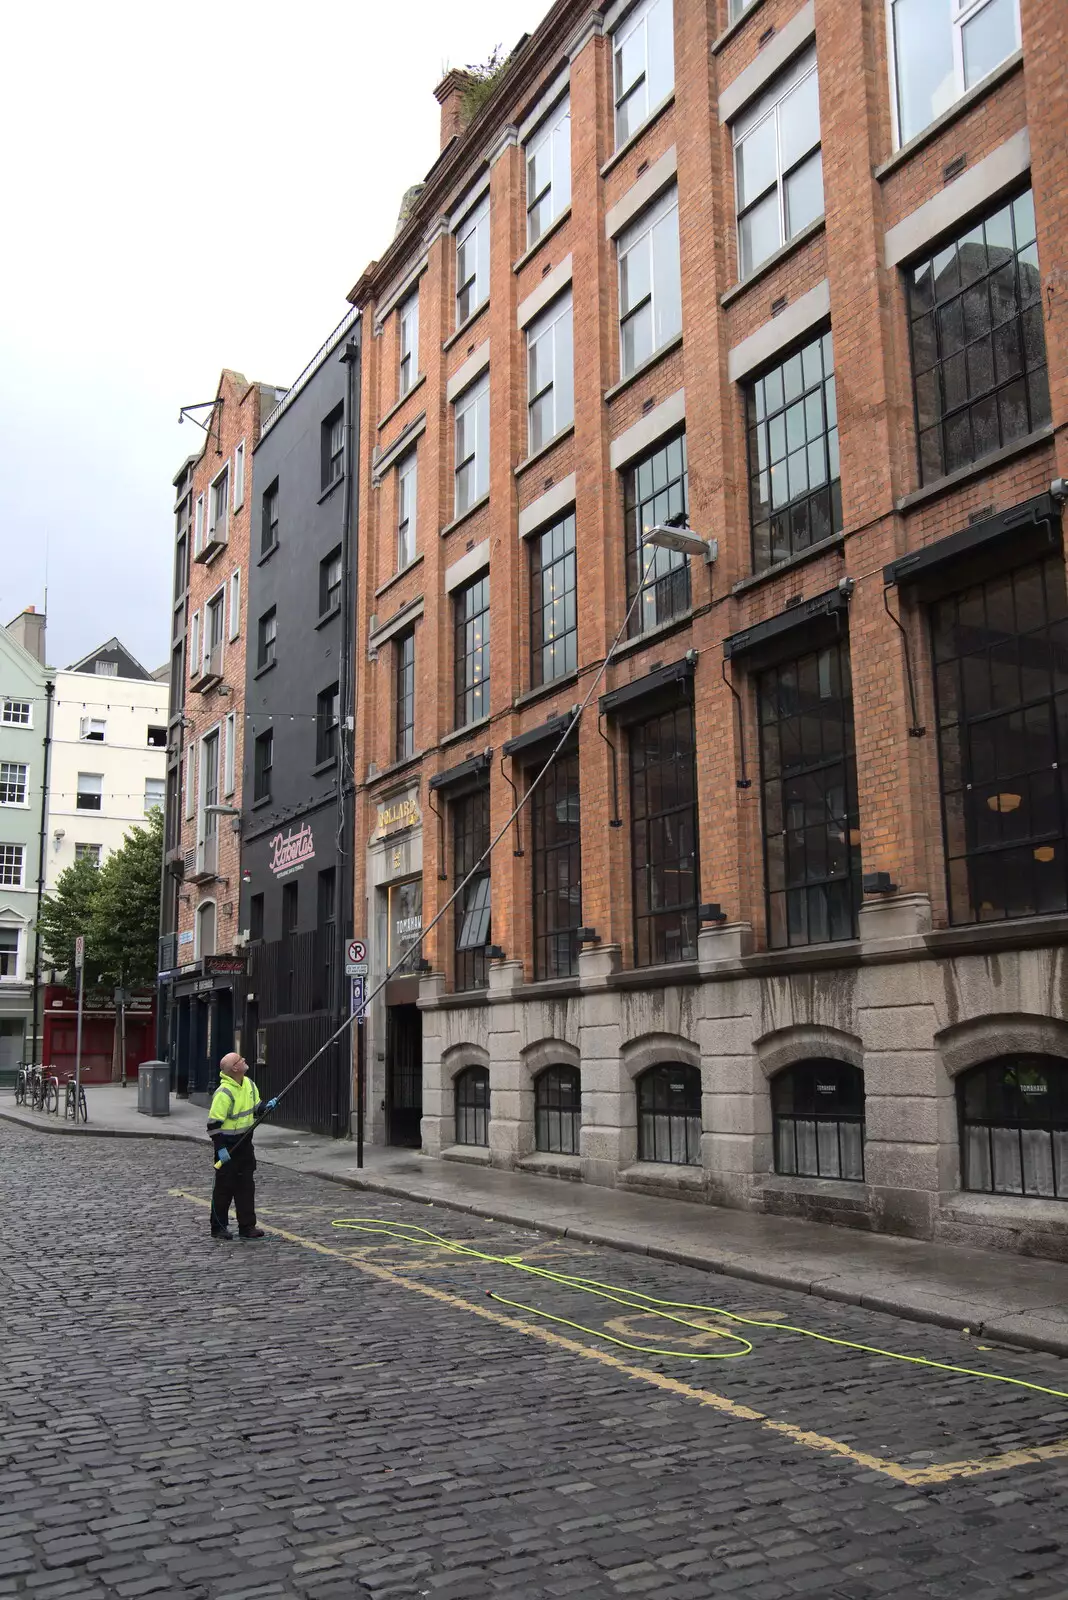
235,1109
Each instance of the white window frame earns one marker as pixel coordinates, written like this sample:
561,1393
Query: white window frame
639,236
19,974
230,755
198,915
19,858
234,627
559,186
408,341
961,13
407,501
472,399
196,661
219,502
219,600
79,791
6,714
239,476
639,19
23,804
475,225
159,801
86,727
198,526
190,807
209,825
86,848
553,331
769,105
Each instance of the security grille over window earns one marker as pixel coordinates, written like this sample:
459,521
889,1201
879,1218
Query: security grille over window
663,807
1001,686
553,602
941,49
644,58
1014,1126
809,782
795,497
557,886
558,1110
654,491
978,344
669,1115
549,171
471,651
472,1106
470,817
819,1120
778,165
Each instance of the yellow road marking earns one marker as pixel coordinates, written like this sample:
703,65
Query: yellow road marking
916,1476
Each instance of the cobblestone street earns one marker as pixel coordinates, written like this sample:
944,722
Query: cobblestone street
327,1413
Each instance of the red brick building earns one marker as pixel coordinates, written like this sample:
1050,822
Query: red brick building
198,1009
783,926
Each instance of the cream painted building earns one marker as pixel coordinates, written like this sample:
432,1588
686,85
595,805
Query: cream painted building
109,755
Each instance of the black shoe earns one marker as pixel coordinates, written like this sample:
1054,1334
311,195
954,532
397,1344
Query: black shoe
221,1233
251,1233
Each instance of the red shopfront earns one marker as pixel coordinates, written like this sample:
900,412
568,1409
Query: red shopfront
99,1023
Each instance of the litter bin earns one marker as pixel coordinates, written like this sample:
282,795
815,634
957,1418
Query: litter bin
154,1089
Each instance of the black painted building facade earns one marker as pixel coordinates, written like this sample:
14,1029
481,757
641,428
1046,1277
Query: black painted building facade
297,793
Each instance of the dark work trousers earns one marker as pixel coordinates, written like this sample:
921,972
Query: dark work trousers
235,1181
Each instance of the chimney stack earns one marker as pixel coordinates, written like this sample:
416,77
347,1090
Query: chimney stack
449,95
28,630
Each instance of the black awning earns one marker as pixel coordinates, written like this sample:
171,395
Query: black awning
631,695
974,540
464,772
762,634
548,732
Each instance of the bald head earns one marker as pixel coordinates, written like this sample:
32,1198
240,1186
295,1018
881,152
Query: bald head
233,1065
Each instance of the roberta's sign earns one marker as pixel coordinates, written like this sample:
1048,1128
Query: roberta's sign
289,851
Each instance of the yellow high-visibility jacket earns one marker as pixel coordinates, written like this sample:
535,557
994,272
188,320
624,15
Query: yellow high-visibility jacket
233,1106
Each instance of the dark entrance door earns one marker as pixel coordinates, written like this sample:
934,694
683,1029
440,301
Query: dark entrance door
404,1075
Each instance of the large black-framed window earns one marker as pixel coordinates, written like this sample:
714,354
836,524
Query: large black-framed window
795,496
327,718
472,1092
663,818
472,912
1000,650
669,1114
818,1109
553,602
809,789
558,1110
404,696
471,611
557,869
269,519
978,344
655,490
263,761
1014,1126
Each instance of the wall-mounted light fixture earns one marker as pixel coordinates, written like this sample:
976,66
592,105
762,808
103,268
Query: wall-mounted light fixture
587,936
879,883
711,913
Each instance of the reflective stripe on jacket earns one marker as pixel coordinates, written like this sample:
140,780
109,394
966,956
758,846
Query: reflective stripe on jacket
233,1105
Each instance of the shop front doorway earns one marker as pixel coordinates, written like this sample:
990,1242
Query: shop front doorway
404,1075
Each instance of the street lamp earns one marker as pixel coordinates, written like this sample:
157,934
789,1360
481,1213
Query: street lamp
675,535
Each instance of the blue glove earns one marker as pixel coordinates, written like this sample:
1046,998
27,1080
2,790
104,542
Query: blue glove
223,1157
272,1103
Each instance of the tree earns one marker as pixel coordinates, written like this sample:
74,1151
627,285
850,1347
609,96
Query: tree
67,913
124,930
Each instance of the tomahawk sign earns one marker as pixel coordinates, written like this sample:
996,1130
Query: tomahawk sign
356,951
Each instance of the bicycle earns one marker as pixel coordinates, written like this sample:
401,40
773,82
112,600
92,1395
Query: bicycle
22,1080
50,1100
75,1105
36,1088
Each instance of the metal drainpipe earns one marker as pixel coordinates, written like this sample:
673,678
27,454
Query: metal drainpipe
50,689
348,657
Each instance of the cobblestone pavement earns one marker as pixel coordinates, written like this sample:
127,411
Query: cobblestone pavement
329,1414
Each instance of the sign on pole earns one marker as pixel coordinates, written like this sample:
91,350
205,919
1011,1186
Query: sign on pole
358,998
356,950
79,952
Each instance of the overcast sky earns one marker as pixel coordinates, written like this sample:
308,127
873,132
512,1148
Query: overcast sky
186,187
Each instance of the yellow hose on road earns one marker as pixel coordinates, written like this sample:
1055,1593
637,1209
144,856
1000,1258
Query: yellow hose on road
650,1306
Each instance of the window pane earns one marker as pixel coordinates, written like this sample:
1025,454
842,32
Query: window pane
799,121
804,195
759,234
756,162
667,285
988,38
923,51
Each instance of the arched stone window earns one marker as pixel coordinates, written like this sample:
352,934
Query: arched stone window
669,1114
1014,1126
472,1106
819,1120
205,943
558,1110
